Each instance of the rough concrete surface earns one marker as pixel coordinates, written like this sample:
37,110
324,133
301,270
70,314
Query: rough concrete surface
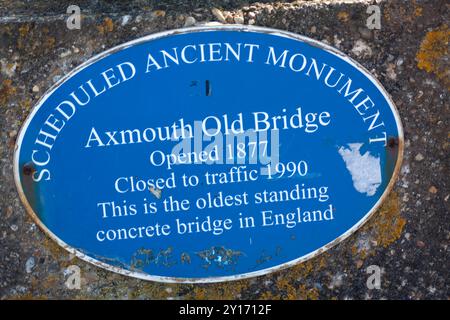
408,237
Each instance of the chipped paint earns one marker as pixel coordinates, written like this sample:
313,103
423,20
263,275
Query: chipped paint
144,257
365,169
219,256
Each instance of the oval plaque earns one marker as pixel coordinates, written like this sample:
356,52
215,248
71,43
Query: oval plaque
208,154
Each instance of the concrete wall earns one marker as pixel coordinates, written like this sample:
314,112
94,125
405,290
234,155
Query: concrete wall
408,237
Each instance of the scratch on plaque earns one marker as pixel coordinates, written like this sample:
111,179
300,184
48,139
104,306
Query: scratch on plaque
144,257
264,257
156,192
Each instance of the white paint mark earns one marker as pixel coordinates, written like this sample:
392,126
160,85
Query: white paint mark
362,49
8,69
125,20
365,169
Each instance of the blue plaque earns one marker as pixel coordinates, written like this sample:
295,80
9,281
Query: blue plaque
208,154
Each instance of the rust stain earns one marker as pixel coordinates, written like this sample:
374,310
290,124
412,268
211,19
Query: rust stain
28,169
393,157
31,189
393,143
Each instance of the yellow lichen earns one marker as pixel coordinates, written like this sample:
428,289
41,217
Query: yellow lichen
156,291
384,228
226,290
159,13
287,284
343,16
49,42
288,290
402,14
6,91
418,11
199,293
26,104
51,281
290,285
109,25
54,249
106,26
433,52
389,223
23,30
28,296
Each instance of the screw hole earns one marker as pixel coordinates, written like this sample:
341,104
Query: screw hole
208,88
392,142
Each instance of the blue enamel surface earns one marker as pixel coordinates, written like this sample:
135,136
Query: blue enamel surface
82,177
